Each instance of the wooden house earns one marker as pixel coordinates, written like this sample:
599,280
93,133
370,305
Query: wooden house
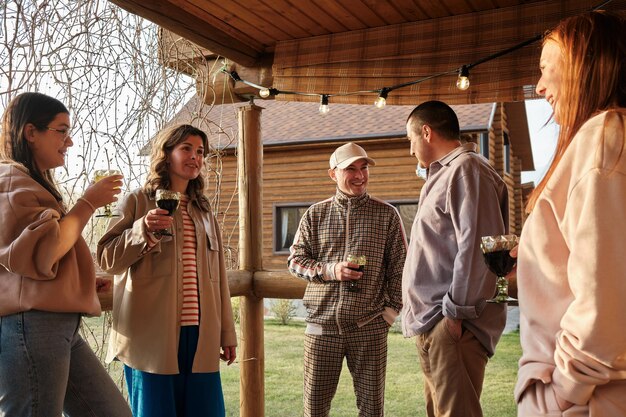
298,141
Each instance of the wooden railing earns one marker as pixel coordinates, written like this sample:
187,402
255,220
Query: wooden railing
261,284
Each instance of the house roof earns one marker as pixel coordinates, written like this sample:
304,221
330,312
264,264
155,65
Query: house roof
290,123
300,122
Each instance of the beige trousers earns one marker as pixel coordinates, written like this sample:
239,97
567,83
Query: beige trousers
454,371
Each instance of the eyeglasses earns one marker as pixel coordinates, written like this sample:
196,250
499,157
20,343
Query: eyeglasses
65,132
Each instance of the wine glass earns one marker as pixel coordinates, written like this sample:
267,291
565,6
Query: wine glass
496,252
167,200
360,260
99,174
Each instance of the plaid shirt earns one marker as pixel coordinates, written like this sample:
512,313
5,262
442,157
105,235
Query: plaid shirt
328,232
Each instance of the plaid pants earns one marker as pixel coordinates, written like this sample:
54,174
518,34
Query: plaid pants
365,351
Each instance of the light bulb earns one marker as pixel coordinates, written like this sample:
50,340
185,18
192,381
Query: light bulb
381,101
463,82
324,108
264,92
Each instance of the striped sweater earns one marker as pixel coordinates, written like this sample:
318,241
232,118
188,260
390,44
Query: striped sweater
190,310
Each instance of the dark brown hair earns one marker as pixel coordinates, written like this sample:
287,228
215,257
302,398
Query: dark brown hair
29,108
439,116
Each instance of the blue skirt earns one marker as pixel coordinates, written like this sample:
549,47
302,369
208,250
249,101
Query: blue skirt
183,395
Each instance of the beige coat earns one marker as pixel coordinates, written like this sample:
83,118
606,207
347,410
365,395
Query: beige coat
147,293
29,277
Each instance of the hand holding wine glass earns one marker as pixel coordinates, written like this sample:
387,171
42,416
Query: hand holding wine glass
115,177
496,250
103,191
359,260
167,201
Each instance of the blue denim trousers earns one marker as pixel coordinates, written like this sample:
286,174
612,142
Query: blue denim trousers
47,368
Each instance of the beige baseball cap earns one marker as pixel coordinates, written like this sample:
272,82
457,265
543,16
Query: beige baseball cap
347,154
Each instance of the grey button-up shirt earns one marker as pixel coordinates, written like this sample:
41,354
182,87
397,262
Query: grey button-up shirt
444,273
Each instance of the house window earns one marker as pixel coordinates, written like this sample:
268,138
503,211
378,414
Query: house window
484,144
407,210
507,153
287,219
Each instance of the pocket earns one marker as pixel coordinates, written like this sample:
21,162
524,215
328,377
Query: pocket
212,242
213,257
447,331
153,264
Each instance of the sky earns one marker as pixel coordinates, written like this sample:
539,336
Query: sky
543,138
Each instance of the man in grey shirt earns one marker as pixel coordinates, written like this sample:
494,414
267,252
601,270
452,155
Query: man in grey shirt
445,282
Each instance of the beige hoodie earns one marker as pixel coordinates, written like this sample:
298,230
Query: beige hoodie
29,278
572,274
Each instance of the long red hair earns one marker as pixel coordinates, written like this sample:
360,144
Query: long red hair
593,80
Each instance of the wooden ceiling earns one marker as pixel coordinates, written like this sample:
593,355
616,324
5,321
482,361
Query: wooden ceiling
246,30
342,46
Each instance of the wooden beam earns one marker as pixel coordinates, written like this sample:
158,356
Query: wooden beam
261,284
250,178
239,283
277,284
200,27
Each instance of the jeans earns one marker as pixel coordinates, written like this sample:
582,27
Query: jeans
46,368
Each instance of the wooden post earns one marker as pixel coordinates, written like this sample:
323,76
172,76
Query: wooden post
250,179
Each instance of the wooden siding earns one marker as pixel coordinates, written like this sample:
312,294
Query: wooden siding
512,178
299,174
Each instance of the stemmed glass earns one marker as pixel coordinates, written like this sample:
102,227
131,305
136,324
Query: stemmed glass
360,260
167,200
496,252
99,174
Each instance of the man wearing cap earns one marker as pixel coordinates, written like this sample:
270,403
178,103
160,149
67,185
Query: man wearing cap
445,281
349,312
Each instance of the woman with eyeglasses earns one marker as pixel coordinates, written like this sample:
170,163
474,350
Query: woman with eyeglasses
47,275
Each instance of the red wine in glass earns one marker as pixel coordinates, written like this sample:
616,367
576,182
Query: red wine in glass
168,204
167,200
496,251
360,260
500,262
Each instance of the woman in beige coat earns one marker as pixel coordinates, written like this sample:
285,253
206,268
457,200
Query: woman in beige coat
171,303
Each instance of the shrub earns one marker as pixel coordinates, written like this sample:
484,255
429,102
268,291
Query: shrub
284,310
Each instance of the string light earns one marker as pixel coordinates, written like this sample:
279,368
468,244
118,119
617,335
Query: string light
463,82
381,101
266,92
324,108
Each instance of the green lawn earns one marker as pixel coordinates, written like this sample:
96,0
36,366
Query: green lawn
404,392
